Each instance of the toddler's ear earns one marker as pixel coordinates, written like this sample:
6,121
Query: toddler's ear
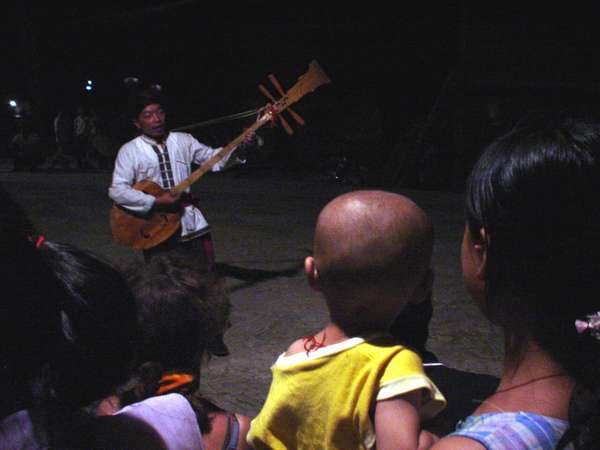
311,272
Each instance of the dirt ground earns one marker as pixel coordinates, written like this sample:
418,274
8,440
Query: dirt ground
262,228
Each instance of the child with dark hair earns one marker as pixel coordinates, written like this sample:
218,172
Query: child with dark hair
181,311
68,327
98,323
351,386
530,259
29,322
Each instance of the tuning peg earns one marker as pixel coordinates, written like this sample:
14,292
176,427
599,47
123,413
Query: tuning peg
293,113
284,123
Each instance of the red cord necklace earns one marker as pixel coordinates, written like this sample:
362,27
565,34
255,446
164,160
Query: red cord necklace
311,343
533,380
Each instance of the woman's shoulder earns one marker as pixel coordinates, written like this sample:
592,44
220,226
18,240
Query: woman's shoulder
519,419
513,430
228,430
220,428
295,347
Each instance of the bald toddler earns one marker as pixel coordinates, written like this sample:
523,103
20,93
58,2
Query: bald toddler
350,386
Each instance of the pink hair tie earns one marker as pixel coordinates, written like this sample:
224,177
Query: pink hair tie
591,325
581,326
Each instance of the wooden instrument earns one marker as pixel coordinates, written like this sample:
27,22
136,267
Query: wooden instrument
142,232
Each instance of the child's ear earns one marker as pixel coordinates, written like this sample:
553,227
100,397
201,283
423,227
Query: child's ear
311,272
481,249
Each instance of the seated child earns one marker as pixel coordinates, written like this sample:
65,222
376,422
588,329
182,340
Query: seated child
68,324
181,310
350,386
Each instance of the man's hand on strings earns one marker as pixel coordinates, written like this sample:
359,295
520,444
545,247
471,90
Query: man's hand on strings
251,139
166,200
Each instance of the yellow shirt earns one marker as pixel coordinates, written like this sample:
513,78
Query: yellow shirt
323,400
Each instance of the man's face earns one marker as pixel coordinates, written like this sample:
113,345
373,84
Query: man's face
151,121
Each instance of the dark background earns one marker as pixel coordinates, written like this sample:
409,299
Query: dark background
416,90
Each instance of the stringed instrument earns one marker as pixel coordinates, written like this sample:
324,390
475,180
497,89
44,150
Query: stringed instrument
144,231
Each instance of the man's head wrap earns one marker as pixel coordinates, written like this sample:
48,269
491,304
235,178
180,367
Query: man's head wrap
139,98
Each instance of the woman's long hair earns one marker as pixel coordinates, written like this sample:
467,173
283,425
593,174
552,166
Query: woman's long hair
536,193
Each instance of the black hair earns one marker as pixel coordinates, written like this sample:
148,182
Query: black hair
181,308
140,97
97,325
29,321
67,321
536,193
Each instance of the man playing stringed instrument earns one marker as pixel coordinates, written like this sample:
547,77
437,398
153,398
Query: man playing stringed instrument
165,158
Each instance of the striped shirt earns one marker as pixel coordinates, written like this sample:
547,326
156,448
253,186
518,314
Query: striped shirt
513,431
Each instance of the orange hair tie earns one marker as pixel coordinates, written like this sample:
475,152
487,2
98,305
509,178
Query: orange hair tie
172,381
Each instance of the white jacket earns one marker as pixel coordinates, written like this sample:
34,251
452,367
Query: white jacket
137,161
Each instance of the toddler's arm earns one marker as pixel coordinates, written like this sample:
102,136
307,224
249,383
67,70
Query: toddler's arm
397,423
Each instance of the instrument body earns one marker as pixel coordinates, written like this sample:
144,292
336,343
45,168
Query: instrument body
142,232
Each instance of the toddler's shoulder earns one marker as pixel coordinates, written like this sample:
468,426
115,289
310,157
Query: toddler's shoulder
295,347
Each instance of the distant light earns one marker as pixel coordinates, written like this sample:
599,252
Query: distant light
12,103
131,81
88,88
89,82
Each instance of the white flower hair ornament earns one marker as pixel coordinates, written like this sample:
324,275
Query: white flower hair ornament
591,325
